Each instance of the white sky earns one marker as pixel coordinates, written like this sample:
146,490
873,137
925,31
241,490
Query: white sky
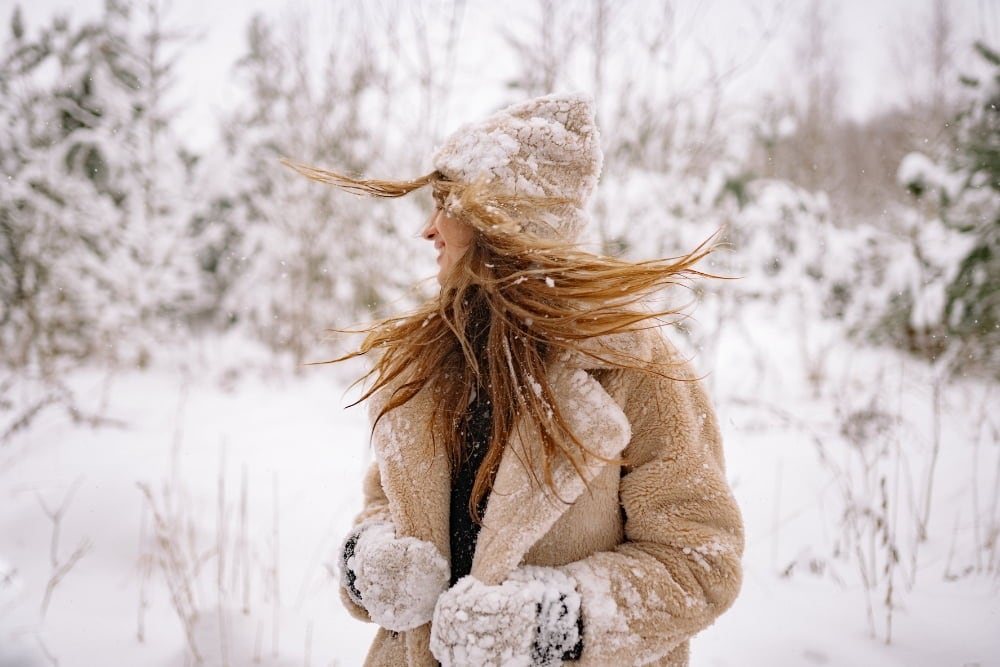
867,31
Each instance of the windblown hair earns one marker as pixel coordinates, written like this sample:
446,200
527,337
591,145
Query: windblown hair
509,307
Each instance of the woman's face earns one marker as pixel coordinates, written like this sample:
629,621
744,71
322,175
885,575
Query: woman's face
451,238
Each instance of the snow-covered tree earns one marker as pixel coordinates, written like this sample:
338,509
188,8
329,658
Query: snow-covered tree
972,307
57,223
960,187
289,258
155,265
93,232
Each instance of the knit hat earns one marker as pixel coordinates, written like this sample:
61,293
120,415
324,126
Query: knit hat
545,147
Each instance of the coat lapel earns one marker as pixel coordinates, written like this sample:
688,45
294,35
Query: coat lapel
521,508
416,475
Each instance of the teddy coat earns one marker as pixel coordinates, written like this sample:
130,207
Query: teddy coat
653,543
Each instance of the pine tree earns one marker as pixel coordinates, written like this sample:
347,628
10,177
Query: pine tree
972,308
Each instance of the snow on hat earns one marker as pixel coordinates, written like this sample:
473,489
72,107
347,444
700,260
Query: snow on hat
545,147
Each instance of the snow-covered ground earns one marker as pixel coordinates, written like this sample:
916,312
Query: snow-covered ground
830,467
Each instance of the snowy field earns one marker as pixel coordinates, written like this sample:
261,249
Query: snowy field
251,479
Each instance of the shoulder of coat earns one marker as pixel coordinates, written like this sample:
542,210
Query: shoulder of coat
639,348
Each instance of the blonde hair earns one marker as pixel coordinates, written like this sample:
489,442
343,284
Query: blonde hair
510,305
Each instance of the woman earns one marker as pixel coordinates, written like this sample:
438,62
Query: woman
549,482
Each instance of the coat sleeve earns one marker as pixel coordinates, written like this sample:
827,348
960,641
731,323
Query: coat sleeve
678,567
375,510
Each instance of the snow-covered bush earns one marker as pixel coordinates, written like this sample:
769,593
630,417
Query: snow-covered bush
960,193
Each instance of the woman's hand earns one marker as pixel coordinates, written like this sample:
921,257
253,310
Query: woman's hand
396,579
533,618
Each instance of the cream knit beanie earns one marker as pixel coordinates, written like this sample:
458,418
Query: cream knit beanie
545,147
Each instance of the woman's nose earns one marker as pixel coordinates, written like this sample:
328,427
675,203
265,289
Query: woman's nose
430,229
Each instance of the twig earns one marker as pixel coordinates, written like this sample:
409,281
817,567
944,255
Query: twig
892,553
951,549
177,572
22,422
868,588
62,571
935,448
56,517
45,650
59,570
220,527
244,548
220,554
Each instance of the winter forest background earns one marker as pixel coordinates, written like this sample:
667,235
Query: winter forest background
173,477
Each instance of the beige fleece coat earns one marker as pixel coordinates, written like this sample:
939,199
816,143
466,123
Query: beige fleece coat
654,545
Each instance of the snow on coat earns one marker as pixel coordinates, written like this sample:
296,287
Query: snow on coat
653,545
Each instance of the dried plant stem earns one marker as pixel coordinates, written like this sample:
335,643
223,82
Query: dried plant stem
951,549
56,516
243,549
61,571
275,584
866,581
220,558
145,570
223,635
976,519
45,651
935,449
257,643
244,540
776,516
892,553
994,522
177,572
220,527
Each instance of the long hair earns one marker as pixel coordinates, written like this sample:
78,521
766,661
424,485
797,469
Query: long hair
510,305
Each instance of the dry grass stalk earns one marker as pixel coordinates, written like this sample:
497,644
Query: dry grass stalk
146,561
53,660
60,569
178,569
275,569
